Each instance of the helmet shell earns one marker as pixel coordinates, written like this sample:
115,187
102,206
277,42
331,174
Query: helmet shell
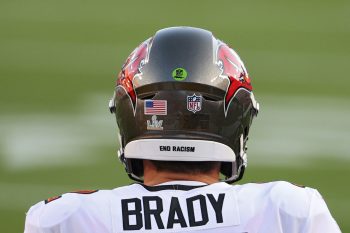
183,95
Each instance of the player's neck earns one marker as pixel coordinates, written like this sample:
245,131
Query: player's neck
154,177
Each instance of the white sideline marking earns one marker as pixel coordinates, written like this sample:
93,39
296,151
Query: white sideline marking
33,140
287,130
290,129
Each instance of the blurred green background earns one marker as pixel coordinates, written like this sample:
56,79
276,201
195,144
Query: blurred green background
58,64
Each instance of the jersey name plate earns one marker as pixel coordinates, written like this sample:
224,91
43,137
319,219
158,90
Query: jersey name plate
170,211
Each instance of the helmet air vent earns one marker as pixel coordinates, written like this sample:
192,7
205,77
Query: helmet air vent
147,96
211,98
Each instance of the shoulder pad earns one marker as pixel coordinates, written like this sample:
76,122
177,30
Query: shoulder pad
50,213
292,199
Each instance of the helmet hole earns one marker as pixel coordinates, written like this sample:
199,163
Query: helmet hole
211,98
147,96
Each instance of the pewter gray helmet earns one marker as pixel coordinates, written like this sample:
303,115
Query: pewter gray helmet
183,95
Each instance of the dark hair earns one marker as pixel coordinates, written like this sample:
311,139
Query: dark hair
188,167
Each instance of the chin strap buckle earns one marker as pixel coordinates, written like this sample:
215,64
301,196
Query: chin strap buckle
111,104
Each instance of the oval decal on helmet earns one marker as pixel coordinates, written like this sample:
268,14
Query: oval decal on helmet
179,74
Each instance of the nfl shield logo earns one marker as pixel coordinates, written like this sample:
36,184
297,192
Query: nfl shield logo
194,103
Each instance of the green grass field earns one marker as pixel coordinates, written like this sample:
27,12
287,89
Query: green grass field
58,64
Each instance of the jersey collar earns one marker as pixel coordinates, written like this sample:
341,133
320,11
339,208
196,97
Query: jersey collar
183,182
183,185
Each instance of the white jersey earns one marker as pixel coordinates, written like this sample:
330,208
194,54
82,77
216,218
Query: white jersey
186,206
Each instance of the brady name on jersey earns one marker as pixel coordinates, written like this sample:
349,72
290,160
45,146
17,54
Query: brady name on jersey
180,206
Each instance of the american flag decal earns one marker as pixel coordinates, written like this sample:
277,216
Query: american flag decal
155,107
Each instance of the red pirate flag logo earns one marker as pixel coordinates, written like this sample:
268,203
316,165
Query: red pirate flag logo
233,70
132,69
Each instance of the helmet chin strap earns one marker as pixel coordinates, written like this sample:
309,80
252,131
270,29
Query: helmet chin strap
256,105
243,152
120,152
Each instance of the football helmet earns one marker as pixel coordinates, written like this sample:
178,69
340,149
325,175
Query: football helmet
183,95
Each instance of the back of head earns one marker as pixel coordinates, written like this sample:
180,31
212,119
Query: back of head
183,95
